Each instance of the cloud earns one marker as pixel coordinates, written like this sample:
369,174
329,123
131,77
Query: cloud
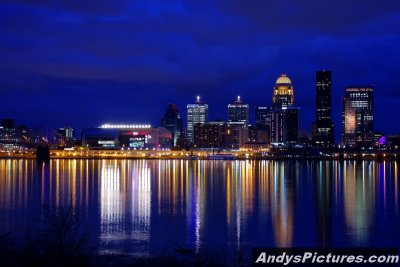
314,16
177,49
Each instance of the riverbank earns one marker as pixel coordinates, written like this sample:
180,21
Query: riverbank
51,250
278,154
19,258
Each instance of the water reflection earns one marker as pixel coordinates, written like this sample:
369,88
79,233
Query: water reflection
323,179
282,205
148,207
359,198
125,206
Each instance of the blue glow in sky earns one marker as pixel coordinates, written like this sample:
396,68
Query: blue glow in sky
81,64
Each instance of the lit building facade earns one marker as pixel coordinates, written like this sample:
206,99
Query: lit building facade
197,112
227,135
12,137
283,92
257,135
324,131
234,135
132,137
208,135
358,116
173,122
66,136
238,112
284,117
285,126
277,126
9,136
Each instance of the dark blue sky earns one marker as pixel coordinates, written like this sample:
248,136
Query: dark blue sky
82,64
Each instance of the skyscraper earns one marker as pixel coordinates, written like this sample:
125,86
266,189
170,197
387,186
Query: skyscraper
262,128
285,125
277,126
284,117
324,132
238,112
263,118
173,122
283,92
197,112
358,116
291,125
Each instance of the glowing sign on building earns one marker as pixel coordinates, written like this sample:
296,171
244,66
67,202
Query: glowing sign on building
124,126
350,122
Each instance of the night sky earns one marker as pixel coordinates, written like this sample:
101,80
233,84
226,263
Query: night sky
81,64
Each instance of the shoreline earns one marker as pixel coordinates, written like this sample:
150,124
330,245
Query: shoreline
206,155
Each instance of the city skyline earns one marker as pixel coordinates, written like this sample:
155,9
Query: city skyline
82,65
199,133
251,110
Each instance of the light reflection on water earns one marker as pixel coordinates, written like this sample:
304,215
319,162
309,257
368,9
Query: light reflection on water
149,207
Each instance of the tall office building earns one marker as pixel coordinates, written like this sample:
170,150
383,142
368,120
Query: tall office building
324,132
283,92
238,111
277,126
263,117
197,112
261,132
285,125
173,122
358,116
284,118
291,125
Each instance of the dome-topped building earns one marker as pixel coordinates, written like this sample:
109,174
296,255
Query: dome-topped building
283,79
283,92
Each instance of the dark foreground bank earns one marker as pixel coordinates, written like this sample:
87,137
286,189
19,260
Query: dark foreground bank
31,256
59,240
